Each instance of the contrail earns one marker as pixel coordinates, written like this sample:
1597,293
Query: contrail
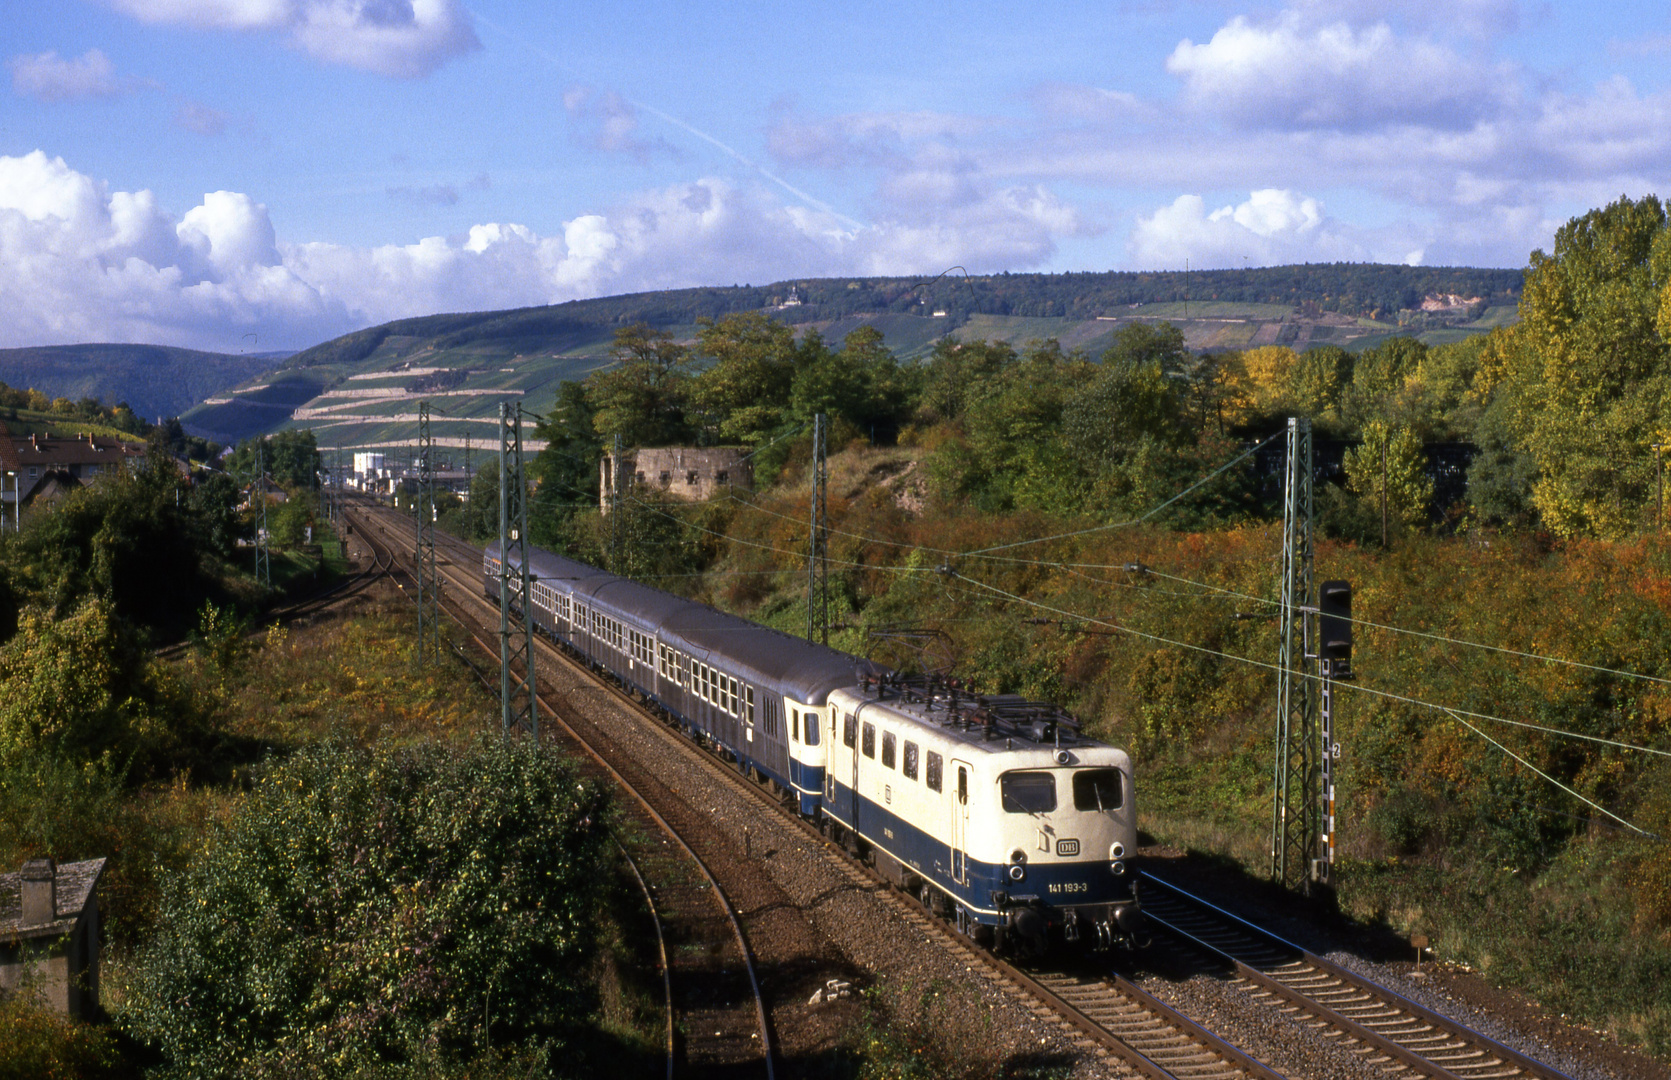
667,118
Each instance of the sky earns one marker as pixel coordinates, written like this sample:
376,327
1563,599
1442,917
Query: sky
247,175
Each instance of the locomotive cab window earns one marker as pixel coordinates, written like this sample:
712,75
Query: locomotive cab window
869,740
888,749
1097,789
909,765
1028,792
932,777
849,730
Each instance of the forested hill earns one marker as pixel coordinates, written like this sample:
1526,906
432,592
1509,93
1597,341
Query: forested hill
1392,295
359,389
154,380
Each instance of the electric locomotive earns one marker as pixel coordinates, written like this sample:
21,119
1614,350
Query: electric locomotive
998,812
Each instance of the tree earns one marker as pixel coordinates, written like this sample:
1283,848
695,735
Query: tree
291,459
1259,384
861,383
744,394
957,373
565,473
1408,491
1143,345
130,537
80,688
1584,379
643,397
381,908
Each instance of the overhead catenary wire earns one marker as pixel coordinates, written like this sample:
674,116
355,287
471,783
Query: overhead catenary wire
1078,617
1546,776
1339,686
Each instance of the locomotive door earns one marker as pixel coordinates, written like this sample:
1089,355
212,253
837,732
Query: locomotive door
960,822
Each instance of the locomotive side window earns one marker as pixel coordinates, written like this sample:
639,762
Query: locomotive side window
910,763
962,784
1028,792
1096,789
888,749
932,779
869,746
849,730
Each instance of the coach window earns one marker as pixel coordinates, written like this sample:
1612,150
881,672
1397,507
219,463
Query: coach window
748,711
932,779
1028,792
849,730
1096,789
812,719
910,763
888,749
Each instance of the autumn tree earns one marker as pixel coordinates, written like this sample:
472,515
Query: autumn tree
1582,381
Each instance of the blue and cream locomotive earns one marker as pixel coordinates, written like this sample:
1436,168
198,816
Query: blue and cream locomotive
995,811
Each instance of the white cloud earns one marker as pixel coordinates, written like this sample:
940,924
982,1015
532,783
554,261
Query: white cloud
400,38
47,77
1271,228
78,263
81,263
1290,74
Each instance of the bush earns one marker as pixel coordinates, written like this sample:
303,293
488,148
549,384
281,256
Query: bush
380,907
83,687
40,1044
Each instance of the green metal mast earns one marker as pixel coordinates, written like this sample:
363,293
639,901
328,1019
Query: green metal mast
818,549
263,560
519,708
429,581
1296,813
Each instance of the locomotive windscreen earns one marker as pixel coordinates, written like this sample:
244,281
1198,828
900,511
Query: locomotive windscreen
1028,792
1096,789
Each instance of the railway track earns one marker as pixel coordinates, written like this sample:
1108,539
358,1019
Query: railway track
709,974
1106,1010
1386,1029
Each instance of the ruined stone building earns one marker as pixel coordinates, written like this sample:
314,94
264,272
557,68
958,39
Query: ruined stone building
685,472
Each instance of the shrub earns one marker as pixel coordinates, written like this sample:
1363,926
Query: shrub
380,907
83,687
40,1044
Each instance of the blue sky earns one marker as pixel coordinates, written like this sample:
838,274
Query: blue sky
194,172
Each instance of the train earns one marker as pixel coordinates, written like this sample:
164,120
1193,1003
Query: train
996,812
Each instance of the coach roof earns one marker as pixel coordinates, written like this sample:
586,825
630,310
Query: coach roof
801,669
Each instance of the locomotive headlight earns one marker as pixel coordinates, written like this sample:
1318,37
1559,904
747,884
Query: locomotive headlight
1018,866
1116,850
1117,868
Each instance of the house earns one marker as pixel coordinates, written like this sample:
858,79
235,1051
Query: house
46,466
49,933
